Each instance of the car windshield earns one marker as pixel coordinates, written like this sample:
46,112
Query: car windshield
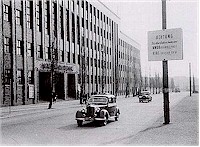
98,100
144,93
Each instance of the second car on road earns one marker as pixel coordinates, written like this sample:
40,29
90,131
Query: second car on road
145,96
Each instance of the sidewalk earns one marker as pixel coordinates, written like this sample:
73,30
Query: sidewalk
12,111
182,130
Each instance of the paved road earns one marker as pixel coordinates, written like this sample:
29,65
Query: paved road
36,125
182,130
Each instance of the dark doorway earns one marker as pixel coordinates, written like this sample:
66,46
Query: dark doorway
71,86
44,86
59,85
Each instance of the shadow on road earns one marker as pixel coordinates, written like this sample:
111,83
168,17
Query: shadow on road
86,125
154,127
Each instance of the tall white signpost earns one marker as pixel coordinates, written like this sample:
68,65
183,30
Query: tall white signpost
164,45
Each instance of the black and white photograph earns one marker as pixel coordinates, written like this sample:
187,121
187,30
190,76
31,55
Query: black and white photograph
99,72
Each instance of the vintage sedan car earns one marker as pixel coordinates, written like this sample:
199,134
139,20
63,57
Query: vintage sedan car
177,90
145,96
99,108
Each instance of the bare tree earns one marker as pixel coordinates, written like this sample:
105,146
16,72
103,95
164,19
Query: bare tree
153,84
145,82
172,86
135,81
159,84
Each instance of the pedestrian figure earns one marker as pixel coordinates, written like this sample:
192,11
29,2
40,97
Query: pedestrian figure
81,98
126,93
85,98
55,98
78,94
51,99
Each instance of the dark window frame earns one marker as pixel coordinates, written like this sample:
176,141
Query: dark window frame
18,15
31,77
29,13
39,51
30,49
6,13
7,76
19,47
20,76
7,45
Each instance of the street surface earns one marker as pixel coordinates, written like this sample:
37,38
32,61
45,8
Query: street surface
36,125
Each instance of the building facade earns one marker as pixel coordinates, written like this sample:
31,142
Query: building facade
128,65
63,46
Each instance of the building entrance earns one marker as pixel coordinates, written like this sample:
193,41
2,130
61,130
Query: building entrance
45,87
59,85
71,86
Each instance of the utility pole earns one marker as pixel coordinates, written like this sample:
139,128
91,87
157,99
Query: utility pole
190,79
165,71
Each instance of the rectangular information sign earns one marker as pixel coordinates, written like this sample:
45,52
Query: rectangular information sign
165,45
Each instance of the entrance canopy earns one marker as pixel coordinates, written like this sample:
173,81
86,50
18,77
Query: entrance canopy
60,67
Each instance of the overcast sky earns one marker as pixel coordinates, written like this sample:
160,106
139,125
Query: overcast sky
140,16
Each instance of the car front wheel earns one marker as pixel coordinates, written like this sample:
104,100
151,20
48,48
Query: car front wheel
80,123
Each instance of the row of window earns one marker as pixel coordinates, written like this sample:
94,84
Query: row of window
29,17
30,52
126,45
19,43
19,51
126,67
105,79
19,47
20,80
124,80
97,79
7,17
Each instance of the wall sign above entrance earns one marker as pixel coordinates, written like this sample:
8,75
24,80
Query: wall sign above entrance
64,68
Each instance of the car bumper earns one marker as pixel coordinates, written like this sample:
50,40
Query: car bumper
91,119
80,119
100,119
144,99
86,119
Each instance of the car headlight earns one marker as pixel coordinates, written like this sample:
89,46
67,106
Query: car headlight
97,110
83,110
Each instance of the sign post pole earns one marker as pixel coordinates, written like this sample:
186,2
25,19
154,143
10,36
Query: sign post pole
164,45
190,79
165,72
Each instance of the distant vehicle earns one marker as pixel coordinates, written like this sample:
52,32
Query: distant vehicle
177,90
145,96
100,108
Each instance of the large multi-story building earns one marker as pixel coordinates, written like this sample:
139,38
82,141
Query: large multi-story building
64,46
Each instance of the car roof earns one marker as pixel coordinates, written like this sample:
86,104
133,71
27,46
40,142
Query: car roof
103,95
145,91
